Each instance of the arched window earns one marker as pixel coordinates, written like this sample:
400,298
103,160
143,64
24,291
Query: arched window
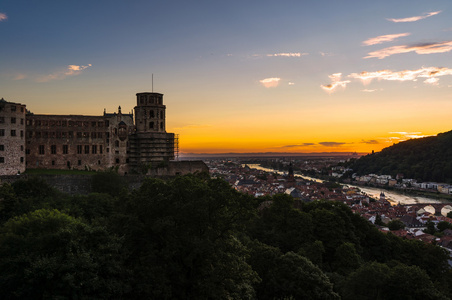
151,125
161,125
151,114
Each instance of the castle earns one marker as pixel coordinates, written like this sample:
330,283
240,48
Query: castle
127,143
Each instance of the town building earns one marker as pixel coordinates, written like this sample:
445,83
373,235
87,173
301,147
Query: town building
127,142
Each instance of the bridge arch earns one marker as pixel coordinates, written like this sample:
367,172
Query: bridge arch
445,210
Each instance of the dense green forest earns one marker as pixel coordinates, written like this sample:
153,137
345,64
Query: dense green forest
424,159
194,237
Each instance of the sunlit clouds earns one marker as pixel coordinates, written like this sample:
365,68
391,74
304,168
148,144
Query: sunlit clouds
430,74
415,18
384,38
294,54
402,135
71,70
371,142
270,82
426,48
331,144
3,17
336,82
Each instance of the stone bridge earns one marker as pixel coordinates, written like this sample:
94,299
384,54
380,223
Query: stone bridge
434,208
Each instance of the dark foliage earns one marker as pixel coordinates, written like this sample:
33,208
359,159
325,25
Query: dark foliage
425,159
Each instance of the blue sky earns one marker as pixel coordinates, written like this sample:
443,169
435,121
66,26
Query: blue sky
240,75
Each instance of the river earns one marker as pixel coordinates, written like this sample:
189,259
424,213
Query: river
393,196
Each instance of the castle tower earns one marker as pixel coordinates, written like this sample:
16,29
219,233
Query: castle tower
150,145
150,113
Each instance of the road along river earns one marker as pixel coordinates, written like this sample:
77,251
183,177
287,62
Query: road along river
393,196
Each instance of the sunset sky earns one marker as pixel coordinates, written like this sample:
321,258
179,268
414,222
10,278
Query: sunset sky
240,76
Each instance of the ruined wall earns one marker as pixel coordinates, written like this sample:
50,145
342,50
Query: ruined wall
78,142
12,138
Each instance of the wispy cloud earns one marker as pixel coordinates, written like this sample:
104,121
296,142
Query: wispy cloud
3,17
331,144
426,48
336,82
291,83
298,145
371,142
368,91
384,38
71,70
415,18
270,82
290,54
326,54
430,74
407,135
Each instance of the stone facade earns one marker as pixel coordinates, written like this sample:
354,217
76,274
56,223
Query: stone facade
12,138
111,140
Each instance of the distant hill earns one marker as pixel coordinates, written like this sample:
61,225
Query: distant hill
425,159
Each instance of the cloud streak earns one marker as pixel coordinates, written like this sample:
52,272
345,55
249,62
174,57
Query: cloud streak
336,82
71,70
415,18
384,38
3,17
291,54
270,82
430,74
426,48
331,144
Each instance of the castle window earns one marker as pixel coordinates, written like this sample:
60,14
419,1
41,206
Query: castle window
21,109
107,123
64,123
2,132
94,149
21,148
86,149
93,135
63,134
79,162
100,124
85,124
99,135
117,160
98,162
53,162
79,149
2,120
79,135
21,121
93,124
53,149
13,132
65,149
22,160
30,134
151,125
116,131
161,125
41,149
2,147
86,134
71,134
2,160
100,149
152,114
29,122
13,108
21,133
68,164
13,120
